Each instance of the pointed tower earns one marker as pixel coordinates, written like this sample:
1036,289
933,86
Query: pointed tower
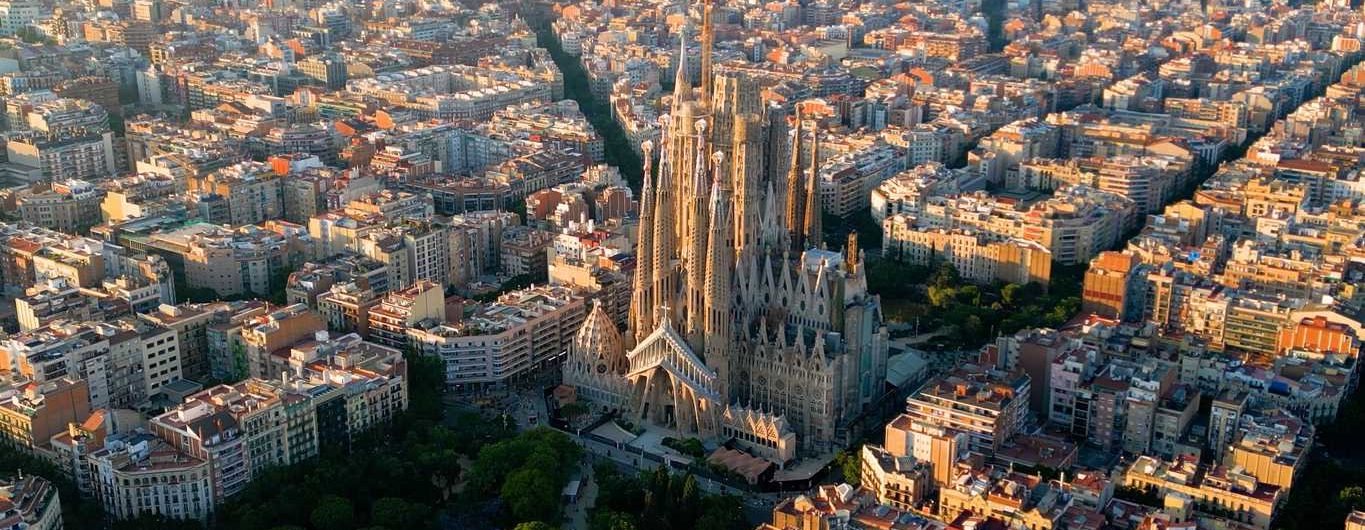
708,40
597,360
694,247
795,195
641,319
682,88
664,231
812,233
719,281
851,252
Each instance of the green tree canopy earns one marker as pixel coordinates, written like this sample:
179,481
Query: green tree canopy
333,513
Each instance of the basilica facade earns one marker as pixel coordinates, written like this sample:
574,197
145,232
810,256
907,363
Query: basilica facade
742,327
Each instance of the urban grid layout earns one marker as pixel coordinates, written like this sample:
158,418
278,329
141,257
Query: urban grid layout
682,264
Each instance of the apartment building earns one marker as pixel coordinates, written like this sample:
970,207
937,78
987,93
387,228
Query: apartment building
335,388
1209,492
252,192
977,257
190,322
52,300
29,502
234,262
520,332
1271,445
31,413
399,311
346,307
263,336
37,156
70,206
123,363
142,475
987,405
997,493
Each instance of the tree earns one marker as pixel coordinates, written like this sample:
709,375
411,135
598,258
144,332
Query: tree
392,512
573,410
970,294
611,520
533,525
972,328
850,466
1352,497
532,494
333,513
946,275
1011,293
941,296
722,512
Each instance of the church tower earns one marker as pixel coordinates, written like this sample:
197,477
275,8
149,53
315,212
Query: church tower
719,280
640,320
796,203
811,230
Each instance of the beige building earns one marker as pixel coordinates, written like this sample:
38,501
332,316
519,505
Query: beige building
240,430
520,332
252,192
399,311
264,336
938,447
346,308
1271,445
900,482
71,205
1212,491
29,502
52,300
190,323
32,413
34,156
988,406
247,260
1025,500
976,256
144,475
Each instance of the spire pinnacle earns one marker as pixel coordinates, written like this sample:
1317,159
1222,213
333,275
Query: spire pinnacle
708,39
682,88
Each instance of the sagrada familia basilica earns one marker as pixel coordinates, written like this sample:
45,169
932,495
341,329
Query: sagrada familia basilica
741,326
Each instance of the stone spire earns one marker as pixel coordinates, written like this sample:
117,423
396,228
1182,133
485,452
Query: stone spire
640,320
663,231
694,244
719,279
708,39
795,195
851,252
597,341
811,229
682,88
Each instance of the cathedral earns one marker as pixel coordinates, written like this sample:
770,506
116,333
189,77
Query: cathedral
742,327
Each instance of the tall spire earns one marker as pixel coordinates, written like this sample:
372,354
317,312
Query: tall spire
795,198
813,234
851,252
719,279
694,244
708,40
641,315
682,88
662,290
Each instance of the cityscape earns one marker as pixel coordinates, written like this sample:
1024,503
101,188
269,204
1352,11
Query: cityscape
684,264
